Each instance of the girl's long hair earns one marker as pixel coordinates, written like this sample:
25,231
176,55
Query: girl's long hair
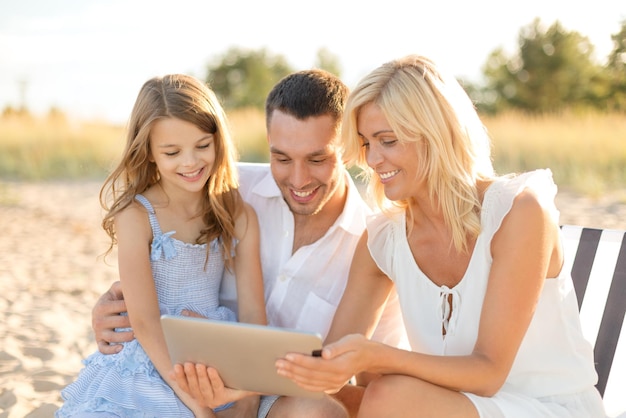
186,98
421,103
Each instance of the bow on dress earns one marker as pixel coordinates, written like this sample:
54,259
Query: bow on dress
163,244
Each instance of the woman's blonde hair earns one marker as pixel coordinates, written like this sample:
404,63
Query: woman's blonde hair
422,104
186,98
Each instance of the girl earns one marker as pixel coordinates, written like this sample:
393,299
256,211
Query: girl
178,220
476,259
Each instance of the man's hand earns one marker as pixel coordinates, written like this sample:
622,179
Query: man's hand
205,385
105,317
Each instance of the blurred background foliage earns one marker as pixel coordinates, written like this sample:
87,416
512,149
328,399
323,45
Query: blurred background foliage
553,70
547,104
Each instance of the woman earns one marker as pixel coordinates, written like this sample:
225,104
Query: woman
476,260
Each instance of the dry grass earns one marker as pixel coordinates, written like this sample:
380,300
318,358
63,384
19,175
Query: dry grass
53,148
248,129
586,152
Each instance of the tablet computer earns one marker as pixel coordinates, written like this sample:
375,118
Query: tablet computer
244,354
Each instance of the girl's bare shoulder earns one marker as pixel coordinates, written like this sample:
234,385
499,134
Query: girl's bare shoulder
245,219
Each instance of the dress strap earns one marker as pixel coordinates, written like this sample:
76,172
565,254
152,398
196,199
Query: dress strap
154,223
162,244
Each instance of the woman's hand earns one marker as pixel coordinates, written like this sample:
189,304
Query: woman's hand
339,362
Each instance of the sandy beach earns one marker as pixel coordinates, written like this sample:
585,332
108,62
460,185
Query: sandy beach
52,272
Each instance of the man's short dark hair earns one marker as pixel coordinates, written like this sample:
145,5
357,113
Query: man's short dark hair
308,93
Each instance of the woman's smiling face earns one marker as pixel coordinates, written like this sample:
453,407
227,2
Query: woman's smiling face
394,162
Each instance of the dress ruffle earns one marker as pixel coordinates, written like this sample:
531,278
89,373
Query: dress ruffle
499,200
117,383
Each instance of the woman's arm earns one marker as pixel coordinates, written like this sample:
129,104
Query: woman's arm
356,317
134,235
525,252
364,298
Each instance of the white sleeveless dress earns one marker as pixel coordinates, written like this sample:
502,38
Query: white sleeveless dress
553,374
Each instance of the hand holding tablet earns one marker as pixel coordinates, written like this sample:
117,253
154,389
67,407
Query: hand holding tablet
244,354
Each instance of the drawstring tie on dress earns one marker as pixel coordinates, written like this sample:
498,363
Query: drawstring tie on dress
449,302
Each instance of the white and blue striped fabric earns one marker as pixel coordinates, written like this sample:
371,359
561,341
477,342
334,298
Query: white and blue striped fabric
597,259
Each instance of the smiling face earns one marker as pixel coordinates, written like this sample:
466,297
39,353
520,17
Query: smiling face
183,154
395,163
306,162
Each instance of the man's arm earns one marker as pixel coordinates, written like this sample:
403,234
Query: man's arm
105,317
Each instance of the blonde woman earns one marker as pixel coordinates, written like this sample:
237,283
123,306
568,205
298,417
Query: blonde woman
476,259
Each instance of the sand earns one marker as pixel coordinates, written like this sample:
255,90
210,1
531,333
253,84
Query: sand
52,272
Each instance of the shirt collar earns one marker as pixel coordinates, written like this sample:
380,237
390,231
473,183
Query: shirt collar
267,187
355,211
352,218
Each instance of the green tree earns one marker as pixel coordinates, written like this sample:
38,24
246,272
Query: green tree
328,61
616,71
552,70
243,78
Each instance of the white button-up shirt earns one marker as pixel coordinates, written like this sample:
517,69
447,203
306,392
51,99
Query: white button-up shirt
303,290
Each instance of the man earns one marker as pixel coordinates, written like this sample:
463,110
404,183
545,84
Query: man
311,216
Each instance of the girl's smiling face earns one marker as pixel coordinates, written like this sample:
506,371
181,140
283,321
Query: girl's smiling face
183,153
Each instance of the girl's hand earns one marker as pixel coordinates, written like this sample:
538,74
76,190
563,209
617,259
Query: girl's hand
339,362
205,385
191,314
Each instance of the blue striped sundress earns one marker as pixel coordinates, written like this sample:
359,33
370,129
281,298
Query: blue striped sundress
126,384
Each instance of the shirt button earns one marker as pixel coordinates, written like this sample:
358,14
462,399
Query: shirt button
286,233
282,277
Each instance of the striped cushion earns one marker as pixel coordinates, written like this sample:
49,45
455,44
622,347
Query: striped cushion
597,258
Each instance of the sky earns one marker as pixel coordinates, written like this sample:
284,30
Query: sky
89,58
